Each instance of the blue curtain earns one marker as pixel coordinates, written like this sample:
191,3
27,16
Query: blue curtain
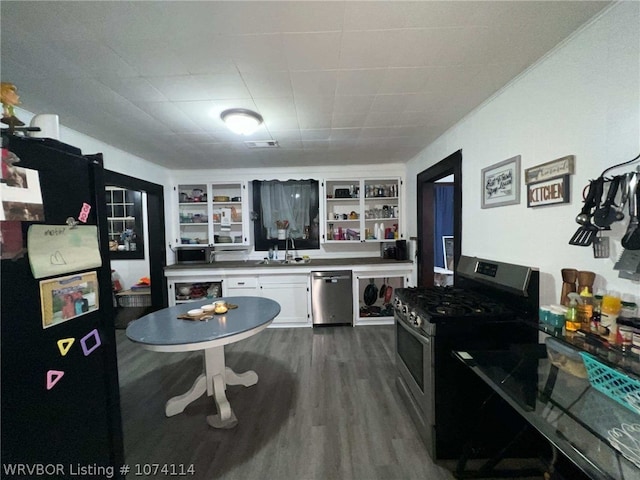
443,214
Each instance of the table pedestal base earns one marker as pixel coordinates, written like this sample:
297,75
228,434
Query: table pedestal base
213,381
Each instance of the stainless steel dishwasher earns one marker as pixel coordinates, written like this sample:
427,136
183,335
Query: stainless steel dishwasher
332,298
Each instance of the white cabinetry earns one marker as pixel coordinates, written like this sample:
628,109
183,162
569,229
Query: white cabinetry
246,286
212,214
290,291
362,210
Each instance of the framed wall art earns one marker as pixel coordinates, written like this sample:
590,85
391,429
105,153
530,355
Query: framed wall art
501,183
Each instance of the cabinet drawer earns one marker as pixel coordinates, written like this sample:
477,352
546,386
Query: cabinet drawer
242,282
282,279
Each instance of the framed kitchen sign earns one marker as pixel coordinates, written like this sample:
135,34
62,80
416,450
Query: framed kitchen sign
548,192
501,183
553,169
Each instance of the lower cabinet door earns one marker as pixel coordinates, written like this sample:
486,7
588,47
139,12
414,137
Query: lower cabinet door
293,300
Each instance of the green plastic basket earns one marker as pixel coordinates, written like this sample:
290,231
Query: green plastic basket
613,384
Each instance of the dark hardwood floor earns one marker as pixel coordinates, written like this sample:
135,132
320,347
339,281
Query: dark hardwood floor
325,407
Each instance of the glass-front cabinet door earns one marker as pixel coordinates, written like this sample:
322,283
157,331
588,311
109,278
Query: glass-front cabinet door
343,211
362,210
212,214
381,210
193,214
229,213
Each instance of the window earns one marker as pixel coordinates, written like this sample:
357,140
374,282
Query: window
286,209
124,217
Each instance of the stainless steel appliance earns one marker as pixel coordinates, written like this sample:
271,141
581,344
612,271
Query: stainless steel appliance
332,297
483,310
193,255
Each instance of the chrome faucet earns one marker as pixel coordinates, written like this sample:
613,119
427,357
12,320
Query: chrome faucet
288,256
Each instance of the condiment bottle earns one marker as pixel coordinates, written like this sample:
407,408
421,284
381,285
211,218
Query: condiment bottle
585,309
595,318
610,309
571,320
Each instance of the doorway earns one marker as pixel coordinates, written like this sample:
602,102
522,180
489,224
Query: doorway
154,219
429,222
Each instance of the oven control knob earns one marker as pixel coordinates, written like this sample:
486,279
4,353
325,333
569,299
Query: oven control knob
405,309
418,321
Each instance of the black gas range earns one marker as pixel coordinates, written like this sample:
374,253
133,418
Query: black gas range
483,310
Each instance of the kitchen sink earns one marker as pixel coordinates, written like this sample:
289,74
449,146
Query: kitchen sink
282,262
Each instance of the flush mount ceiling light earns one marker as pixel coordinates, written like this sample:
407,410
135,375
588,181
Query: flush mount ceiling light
241,120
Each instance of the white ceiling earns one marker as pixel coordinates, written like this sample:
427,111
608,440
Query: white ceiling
336,82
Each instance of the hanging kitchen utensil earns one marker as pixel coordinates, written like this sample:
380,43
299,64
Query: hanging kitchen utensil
631,239
370,293
383,288
605,215
624,188
585,234
388,294
600,246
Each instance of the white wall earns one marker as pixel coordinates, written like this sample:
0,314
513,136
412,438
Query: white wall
122,162
583,99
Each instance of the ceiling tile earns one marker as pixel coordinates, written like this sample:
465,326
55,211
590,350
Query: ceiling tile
353,103
359,82
322,82
269,84
312,51
373,16
368,49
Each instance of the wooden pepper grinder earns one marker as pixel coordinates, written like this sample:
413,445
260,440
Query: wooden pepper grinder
586,279
569,277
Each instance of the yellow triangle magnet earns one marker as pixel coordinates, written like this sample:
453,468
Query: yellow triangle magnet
64,344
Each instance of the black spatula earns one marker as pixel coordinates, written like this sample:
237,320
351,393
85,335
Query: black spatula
587,231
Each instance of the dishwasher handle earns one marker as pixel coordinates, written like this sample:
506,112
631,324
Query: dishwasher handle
330,277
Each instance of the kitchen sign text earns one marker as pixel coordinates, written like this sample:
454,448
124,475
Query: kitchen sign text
549,192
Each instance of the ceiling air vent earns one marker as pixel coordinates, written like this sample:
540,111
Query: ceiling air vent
262,144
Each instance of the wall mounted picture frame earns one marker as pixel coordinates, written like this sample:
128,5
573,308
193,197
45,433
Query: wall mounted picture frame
501,183
549,192
553,169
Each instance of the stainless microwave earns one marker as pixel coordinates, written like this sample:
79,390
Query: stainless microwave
192,255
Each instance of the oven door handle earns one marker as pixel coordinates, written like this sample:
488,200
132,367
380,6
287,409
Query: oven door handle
422,339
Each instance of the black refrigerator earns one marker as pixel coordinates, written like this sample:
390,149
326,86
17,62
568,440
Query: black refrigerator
60,399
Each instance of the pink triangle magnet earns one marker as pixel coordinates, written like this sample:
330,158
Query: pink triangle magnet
52,378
